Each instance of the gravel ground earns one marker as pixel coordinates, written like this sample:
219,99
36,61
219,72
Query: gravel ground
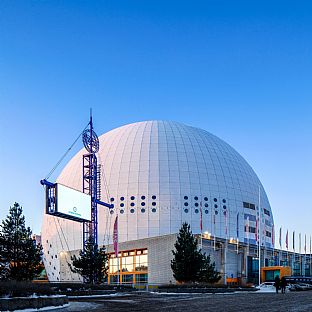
238,302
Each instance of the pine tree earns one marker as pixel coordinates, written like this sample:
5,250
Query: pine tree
187,258
207,272
91,264
19,256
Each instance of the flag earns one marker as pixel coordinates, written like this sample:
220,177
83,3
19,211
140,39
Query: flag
115,236
293,240
201,218
300,243
256,234
286,241
237,225
305,243
225,222
280,237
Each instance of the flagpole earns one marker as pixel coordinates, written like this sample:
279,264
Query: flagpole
237,231
259,236
201,226
248,236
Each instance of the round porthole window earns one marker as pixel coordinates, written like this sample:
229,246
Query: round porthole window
206,205
143,197
216,206
122,204
122,198
154,210
142,210
132,198
196,211
206,211
132,210
205,198
186,210
196,198
142,204
122,211
111,211
185,197
153,204
215,200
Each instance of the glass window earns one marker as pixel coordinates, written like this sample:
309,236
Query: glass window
196,198
143,197
196,210
122,204
122,198
216,206
224,207
154,210
215,200
186,210
132,198
112,199
142,210
196,204
154,197
127,278
132,204
185,197
153,204
205,198
206,211
122,211
224,201
142,204
132,210
127,264
111,211
185,204
141,278
206,205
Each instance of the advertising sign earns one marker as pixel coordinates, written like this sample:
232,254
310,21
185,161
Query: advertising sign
72,203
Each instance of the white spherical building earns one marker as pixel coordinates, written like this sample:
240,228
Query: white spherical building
159,174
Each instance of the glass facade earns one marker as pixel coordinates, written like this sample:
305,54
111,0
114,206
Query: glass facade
130,267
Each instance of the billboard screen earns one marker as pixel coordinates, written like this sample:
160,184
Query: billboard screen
72,203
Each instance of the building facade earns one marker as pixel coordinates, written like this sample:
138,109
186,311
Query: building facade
159,174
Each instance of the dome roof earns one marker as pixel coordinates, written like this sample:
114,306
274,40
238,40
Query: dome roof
160,173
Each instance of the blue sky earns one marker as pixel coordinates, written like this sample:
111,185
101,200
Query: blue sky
239,69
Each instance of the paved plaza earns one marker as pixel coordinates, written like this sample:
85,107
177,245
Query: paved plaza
238,302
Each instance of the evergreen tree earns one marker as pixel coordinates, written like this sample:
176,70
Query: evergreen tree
91,264
208,273
187,259
19,256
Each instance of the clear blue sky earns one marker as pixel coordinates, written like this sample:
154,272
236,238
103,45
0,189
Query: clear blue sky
239,69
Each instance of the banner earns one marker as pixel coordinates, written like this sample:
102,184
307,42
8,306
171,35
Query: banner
201,218
293,240
280,237
237,225
115,236
286,241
